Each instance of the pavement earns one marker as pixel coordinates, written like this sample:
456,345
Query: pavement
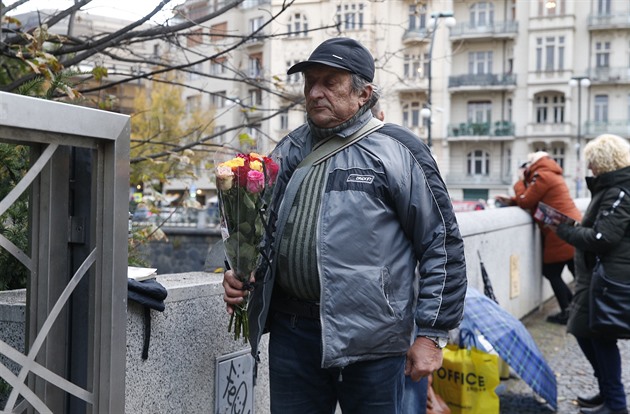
574,374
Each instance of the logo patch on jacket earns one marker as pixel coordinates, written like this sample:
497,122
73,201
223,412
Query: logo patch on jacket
357,178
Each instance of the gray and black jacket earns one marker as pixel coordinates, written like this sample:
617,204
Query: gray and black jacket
371,236
604,232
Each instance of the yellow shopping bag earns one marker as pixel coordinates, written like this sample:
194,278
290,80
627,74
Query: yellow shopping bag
467,380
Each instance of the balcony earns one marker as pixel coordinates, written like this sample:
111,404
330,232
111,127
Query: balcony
248,4
595,128
416,35
608,75
609,21
549,130
497,30
417,84
483,81
498,131
257,39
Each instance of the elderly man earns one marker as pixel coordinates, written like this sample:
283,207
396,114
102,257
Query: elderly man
360,206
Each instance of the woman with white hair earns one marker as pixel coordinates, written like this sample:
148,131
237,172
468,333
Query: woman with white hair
604,233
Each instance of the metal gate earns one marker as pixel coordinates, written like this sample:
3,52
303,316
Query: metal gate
76,296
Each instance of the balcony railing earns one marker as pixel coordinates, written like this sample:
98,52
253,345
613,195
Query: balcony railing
416,35
621,127
609,75
247,4
608,21
497,129
549,129
482,80
496,29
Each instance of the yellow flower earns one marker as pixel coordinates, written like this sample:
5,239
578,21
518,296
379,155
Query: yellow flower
234,162
256,165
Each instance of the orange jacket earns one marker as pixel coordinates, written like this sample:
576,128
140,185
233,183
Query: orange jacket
544,182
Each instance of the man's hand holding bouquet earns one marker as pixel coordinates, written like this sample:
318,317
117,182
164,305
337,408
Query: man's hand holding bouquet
244,183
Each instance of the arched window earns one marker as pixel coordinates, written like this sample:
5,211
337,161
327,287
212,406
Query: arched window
478,163
298,25
549,108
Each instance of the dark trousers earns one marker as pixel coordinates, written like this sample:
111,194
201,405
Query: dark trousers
553,273
604,356
300,386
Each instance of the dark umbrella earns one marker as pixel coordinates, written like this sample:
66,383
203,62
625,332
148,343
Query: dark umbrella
487,286
512,341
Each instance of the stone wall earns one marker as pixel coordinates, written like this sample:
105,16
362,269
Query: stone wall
190,336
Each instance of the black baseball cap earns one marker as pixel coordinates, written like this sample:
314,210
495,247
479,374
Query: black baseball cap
342,53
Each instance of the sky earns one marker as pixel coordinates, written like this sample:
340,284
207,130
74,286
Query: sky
125,9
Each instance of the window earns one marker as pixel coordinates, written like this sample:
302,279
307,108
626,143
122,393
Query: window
481,14
417,17
254,27
549,108
298,25
217,99
551,7
255,65
602,54
479,112
550,53
220,139
509,109
195,38
603,7
218,32
193,103
557,153
411,114
478,163
293,78
217,66
601,108
284,120
255,97
412,67
479,63
196,71
350,16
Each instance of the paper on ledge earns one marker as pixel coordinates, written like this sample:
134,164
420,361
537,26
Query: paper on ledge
141,273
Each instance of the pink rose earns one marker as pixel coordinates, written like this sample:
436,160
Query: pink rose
255,181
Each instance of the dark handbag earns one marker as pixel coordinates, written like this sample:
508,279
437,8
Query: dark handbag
609,313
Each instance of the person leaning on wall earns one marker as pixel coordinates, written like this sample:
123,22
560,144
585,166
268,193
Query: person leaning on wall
541,180
604,233
346,313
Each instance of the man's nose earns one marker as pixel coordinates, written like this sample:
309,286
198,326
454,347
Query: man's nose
316,91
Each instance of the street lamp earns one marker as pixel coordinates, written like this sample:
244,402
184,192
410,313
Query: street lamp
579,81
432,24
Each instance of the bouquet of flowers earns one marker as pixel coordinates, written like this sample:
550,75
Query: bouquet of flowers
244,184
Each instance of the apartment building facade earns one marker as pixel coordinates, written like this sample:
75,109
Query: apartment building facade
499,84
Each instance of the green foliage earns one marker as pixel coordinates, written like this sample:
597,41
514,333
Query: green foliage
14,222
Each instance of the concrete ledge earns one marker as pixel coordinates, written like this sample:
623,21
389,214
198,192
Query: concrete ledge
189,336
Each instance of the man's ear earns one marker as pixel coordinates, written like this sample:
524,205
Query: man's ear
365,95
